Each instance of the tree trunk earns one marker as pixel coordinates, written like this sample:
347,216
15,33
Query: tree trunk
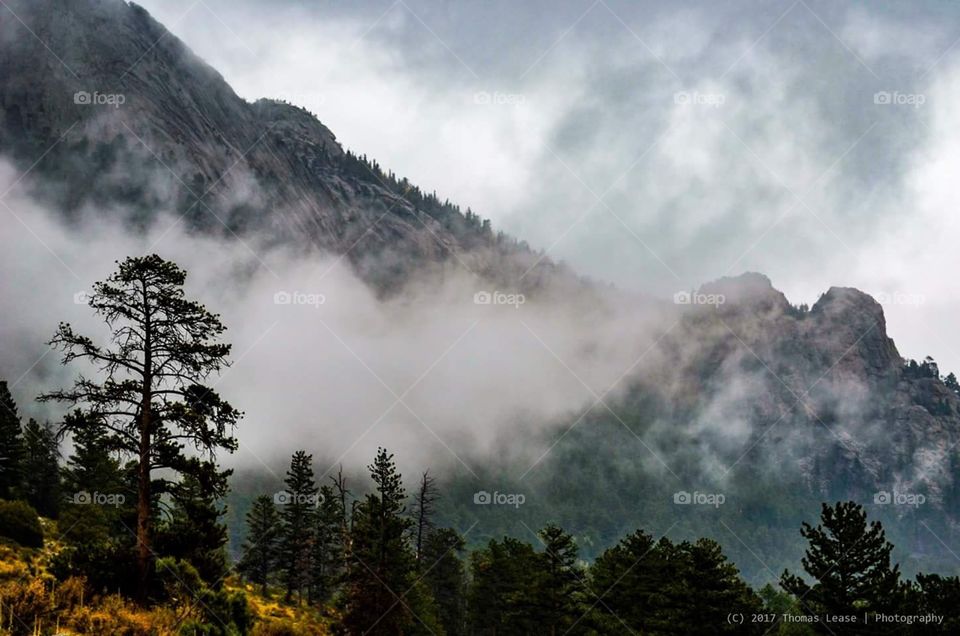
143,507
143,474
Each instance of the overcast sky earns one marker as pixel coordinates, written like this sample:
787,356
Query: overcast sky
654,145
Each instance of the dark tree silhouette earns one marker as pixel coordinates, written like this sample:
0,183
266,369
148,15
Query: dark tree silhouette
444,574
41,468
850,564
150,395
192,529
11,444
299,504
382,563
327,557
261,549
560,587
424,506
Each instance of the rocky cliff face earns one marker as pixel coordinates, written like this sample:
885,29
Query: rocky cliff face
820,393
122,114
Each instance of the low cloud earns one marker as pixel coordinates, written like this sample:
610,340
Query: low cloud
442,374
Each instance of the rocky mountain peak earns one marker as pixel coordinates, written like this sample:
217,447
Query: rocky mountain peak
750,288
851,321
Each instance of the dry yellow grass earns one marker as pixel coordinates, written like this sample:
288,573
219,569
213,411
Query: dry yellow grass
31,599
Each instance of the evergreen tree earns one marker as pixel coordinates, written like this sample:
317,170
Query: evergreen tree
262,546
151,398
327,557
939,595
628,580
666,588
502,598
424,506
41,468
193,531
11,444
98,511
382,564
951,382
560,585
298,508
93,467
443,572
849,562
711,590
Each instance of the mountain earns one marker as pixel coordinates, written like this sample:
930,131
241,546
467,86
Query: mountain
116,111
774,406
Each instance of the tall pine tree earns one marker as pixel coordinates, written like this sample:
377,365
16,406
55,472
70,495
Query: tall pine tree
849,562
298,513
98,510
11,444
560,585
192,530
262,546
41,468
382,564
327,558
443,571
150,395
424,506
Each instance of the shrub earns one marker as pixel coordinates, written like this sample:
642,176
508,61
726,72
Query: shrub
19,521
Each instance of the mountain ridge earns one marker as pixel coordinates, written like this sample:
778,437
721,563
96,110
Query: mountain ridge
172,135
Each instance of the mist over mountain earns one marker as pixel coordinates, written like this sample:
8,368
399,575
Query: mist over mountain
599,405
128,116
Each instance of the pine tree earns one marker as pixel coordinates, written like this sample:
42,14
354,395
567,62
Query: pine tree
41,468
560,586
342,494
11,444
327,557
298,509
443,571
849,562
193,530
711,590
382,563
93,467
98,511
424,506
666,588
151,398
938,595
951,383
502,598
629,578
262,546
